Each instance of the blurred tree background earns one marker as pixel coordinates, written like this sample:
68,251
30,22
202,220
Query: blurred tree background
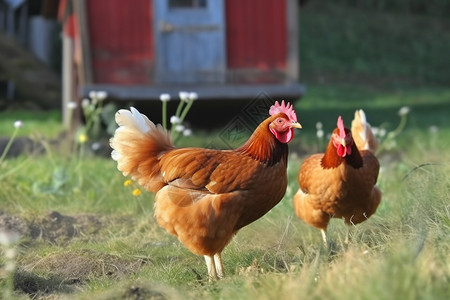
380,43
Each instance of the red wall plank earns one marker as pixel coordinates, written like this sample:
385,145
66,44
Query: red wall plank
122,49
121,40
256,34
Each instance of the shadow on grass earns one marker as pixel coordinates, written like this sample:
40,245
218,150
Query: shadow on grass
36,286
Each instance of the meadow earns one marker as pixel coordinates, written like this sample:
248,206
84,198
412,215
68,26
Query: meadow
86,235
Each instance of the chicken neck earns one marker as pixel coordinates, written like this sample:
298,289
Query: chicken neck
264,147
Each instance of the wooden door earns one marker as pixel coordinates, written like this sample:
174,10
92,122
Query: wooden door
190,41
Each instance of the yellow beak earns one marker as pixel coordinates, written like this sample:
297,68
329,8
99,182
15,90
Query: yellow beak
296,125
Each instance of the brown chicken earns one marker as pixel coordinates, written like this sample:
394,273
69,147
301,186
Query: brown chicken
340,183
204,196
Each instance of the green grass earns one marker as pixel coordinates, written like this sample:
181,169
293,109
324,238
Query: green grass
401,252
120,252
86,237
47,123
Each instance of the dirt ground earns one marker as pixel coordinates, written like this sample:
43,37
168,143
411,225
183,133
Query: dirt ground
45,276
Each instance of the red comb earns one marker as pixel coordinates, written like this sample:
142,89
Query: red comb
340,125
283,108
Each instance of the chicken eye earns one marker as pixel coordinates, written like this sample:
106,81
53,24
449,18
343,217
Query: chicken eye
279,121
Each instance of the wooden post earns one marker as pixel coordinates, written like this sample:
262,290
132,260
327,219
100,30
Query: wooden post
67,81
85,74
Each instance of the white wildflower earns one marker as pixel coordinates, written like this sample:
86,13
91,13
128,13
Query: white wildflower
179,128
403,111
10,253
72,105
433,129
382,132
18,124
95,146
164,97
184,96
375,130
8,237
174,120
85,103
193,96
187,132
101,95
319,133
92,94
319,125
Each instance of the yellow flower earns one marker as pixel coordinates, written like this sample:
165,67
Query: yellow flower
82,138
136,192
127,182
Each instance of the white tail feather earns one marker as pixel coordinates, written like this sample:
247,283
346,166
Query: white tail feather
362,132
132,126
133,119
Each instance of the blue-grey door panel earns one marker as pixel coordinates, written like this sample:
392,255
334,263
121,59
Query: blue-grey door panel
190,41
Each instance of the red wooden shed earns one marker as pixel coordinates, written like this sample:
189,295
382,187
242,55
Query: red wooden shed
221,49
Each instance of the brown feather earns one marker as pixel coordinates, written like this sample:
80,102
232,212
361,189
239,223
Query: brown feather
204,196
335,187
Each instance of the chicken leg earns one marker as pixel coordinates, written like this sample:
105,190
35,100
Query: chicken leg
215,266
212,273
219,265
324,237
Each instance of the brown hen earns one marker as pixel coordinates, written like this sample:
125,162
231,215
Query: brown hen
340,183
204,196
